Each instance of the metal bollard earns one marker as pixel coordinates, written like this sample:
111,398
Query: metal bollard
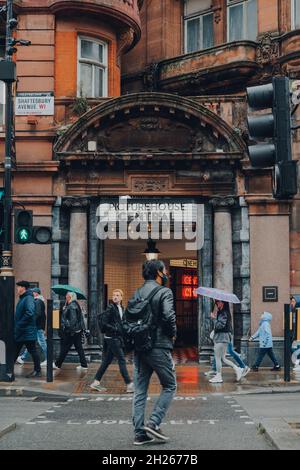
49,340
287,343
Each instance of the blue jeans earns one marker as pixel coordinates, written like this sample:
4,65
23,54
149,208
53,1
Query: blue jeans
261,354
42,342
161,362
233,354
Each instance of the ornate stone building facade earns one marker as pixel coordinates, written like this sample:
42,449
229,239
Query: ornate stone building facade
150,101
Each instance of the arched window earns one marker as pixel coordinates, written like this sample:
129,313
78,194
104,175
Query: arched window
241,20
198,25
295,14
92,68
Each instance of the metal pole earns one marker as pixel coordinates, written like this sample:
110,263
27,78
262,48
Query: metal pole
287,343
7,314
7,246
49,340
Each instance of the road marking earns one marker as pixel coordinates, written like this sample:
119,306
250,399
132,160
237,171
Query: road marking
244,417
249,422
235,406
239,411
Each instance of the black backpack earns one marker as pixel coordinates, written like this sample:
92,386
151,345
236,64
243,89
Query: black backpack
139,323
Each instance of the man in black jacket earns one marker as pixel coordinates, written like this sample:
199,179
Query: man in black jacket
158,359
113,342
40,320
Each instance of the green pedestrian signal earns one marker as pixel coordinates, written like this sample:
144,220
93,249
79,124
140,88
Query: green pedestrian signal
23,226
24,235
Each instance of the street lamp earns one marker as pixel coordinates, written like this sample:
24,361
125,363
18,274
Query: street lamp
151,252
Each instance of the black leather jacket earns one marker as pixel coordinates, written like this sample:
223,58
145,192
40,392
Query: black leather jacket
113,322
72,319
162,305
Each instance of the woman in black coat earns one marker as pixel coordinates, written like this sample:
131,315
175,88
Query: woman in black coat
72,325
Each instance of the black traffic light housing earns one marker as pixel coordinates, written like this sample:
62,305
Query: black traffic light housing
275,127
26,232
41,235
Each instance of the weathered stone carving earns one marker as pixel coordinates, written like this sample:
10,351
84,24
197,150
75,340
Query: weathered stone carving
76,202
150,184
222,202
150,78
124,42
267,51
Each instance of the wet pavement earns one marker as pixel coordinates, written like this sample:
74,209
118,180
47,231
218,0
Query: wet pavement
190,378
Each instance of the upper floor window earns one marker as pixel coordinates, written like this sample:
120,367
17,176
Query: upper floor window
92,68
241,20
198,20
295,14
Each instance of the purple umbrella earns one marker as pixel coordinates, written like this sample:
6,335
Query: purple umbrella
218,294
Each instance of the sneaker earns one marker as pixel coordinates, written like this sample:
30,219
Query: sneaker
54,366
296,369
239,373
33,374
246,371
144,439
44,363
130,388
210,373
254,369
20,360
81,368
96,386
217,379
275,368
156,432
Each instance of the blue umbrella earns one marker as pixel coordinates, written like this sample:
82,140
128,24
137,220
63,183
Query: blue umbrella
62,289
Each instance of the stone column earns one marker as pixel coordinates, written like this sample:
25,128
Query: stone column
205,270
96,275
223,259
78,245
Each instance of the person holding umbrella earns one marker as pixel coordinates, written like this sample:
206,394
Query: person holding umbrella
222,333
72,325
222,337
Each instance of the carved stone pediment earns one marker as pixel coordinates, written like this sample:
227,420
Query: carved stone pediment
149,124
151,134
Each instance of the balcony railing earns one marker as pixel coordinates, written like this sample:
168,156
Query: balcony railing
209,69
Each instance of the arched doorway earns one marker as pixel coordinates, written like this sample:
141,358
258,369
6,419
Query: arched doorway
148,145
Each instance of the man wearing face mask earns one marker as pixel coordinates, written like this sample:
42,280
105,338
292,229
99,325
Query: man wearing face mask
158,359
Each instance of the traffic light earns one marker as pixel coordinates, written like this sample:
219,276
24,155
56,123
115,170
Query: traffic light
23,226
26,232
273,132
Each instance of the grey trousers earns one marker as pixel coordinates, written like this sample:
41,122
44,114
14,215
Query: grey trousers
220,355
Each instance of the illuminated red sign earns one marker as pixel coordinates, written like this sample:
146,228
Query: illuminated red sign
188,291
